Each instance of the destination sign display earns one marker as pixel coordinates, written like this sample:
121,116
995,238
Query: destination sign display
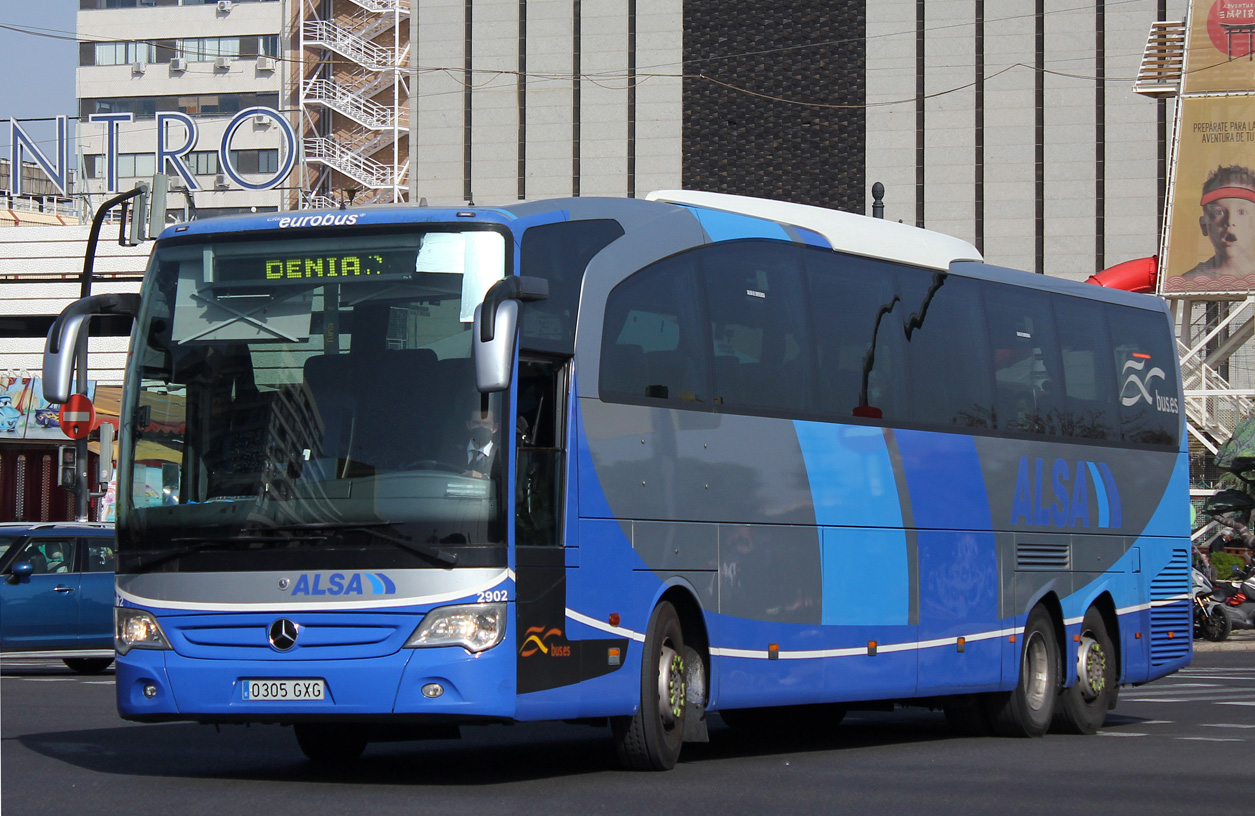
337,267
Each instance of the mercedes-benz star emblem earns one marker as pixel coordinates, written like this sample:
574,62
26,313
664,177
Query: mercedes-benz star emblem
283,634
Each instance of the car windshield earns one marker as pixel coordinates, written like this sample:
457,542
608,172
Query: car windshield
313,396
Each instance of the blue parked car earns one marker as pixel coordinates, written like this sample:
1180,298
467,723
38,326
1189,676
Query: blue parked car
56,592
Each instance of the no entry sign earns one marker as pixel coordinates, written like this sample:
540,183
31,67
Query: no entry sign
77,417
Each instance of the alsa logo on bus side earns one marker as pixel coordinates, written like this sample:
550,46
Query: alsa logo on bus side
546,642
337,583
1070,504
1139,382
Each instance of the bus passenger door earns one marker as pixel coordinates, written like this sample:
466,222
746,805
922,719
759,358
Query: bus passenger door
546,659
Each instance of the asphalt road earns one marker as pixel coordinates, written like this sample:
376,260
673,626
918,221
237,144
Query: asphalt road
1166,749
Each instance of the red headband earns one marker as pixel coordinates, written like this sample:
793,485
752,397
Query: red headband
1228,192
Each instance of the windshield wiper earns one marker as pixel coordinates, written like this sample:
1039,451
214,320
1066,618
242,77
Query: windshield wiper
198,543
372,528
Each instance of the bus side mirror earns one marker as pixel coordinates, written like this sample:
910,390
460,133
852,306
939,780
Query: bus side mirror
63,339
496,328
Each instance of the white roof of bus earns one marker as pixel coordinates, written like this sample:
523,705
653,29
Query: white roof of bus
847,232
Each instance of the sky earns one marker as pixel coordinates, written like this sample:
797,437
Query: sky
37,73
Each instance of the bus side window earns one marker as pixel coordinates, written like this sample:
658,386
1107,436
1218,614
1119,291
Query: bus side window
846,296
655,311
1025,359
1150,405
759,328
1089,404
946,350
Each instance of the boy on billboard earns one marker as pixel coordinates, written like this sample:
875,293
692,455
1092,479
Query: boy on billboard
1228,221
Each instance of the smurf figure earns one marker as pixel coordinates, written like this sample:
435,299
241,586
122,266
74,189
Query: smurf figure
9,415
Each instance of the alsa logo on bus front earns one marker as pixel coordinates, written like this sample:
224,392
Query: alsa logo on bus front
1061,498
338,583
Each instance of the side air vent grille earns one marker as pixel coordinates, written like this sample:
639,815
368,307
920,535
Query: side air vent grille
1171,626
1036,557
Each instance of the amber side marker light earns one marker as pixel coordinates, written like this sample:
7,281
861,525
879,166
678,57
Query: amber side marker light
871,648
961,644
1137,635
773,651
614,657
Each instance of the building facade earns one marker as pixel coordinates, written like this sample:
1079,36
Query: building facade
1013,126
165,80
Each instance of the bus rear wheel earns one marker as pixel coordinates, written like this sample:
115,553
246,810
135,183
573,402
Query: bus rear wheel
651,739
1082,707
1028,710
322,742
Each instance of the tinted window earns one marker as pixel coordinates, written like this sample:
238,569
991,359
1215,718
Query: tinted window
100,555
1150,404
854,309
1026,372
48,555
947,359
559,253
761,348
653,346
1089,404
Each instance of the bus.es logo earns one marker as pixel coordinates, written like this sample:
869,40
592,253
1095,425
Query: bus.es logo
337,583
539,640
1070,505
1139,383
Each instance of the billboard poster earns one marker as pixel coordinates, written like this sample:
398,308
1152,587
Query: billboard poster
1220,49
1209,246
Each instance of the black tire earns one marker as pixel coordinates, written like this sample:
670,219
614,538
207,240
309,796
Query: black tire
88,665
1082,707
651,739
1216,626
321,742
1028,710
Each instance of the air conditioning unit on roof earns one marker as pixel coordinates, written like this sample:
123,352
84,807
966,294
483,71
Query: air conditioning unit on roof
265,63
137,69
222,64
225,5
220,181
178,64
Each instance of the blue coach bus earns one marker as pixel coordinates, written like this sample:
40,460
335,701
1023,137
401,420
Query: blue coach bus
385,472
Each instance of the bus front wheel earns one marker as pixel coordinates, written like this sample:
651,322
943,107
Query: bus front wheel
1027,711
651,739
1082,707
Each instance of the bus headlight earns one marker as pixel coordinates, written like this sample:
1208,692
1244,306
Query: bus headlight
475,627
137,629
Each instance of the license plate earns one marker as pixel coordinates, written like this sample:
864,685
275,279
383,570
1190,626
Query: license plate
266,689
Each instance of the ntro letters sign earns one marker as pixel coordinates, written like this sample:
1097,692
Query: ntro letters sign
171,151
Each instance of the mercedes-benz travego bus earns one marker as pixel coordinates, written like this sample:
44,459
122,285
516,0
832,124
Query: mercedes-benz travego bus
386,472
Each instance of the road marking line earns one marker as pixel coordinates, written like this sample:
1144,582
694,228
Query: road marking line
110,683
1118,734
1238,702
1159,700
1191,685
1212,739
1227,725
1156,722
50,679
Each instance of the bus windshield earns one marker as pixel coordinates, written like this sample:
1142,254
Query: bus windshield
311,403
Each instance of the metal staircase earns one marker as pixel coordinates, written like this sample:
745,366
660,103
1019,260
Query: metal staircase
1159,75
1213,406
354,100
